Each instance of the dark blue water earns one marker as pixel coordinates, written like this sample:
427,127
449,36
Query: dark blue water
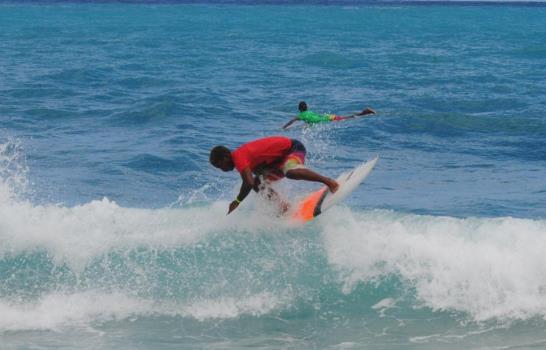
112,223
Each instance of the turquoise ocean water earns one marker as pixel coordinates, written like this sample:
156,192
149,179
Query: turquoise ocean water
113,233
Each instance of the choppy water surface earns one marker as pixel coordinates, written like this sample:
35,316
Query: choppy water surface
113,231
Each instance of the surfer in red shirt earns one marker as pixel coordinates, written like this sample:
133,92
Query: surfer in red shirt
269,159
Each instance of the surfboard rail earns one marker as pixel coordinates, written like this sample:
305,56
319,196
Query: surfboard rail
318,201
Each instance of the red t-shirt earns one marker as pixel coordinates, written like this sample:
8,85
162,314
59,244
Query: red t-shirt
261,152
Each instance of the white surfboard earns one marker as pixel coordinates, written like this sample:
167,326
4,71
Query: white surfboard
317,202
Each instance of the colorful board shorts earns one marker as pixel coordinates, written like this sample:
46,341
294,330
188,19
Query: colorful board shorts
334,117
295,159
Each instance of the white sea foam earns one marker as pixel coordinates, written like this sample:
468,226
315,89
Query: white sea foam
76,235
488,268
13,170
59,310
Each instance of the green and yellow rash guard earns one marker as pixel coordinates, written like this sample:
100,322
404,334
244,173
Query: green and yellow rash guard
313,118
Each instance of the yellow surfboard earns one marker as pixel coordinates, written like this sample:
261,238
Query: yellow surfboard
319,201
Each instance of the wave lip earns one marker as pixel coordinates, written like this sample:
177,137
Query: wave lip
486,268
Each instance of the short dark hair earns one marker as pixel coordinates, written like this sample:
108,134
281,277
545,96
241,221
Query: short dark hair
302,106
218,153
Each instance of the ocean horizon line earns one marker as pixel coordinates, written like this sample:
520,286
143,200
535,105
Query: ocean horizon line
292,2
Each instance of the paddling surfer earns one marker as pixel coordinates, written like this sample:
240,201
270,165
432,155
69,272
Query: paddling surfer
310,117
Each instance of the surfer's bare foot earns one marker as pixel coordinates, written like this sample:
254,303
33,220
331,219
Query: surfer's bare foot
332,185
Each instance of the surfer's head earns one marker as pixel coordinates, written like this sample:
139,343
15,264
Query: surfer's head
302,106
220,157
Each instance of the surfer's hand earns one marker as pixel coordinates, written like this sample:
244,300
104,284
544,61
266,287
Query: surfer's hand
332,185
232,206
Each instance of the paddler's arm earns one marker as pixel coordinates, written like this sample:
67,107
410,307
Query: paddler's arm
292,121
246,187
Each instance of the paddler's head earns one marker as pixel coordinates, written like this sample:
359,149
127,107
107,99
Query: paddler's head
220,157
302,106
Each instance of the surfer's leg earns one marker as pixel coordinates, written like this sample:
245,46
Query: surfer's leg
294,168
273,196
336,118
310,175
366,111
270,194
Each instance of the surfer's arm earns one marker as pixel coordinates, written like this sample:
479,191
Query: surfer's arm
246,187
292,121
